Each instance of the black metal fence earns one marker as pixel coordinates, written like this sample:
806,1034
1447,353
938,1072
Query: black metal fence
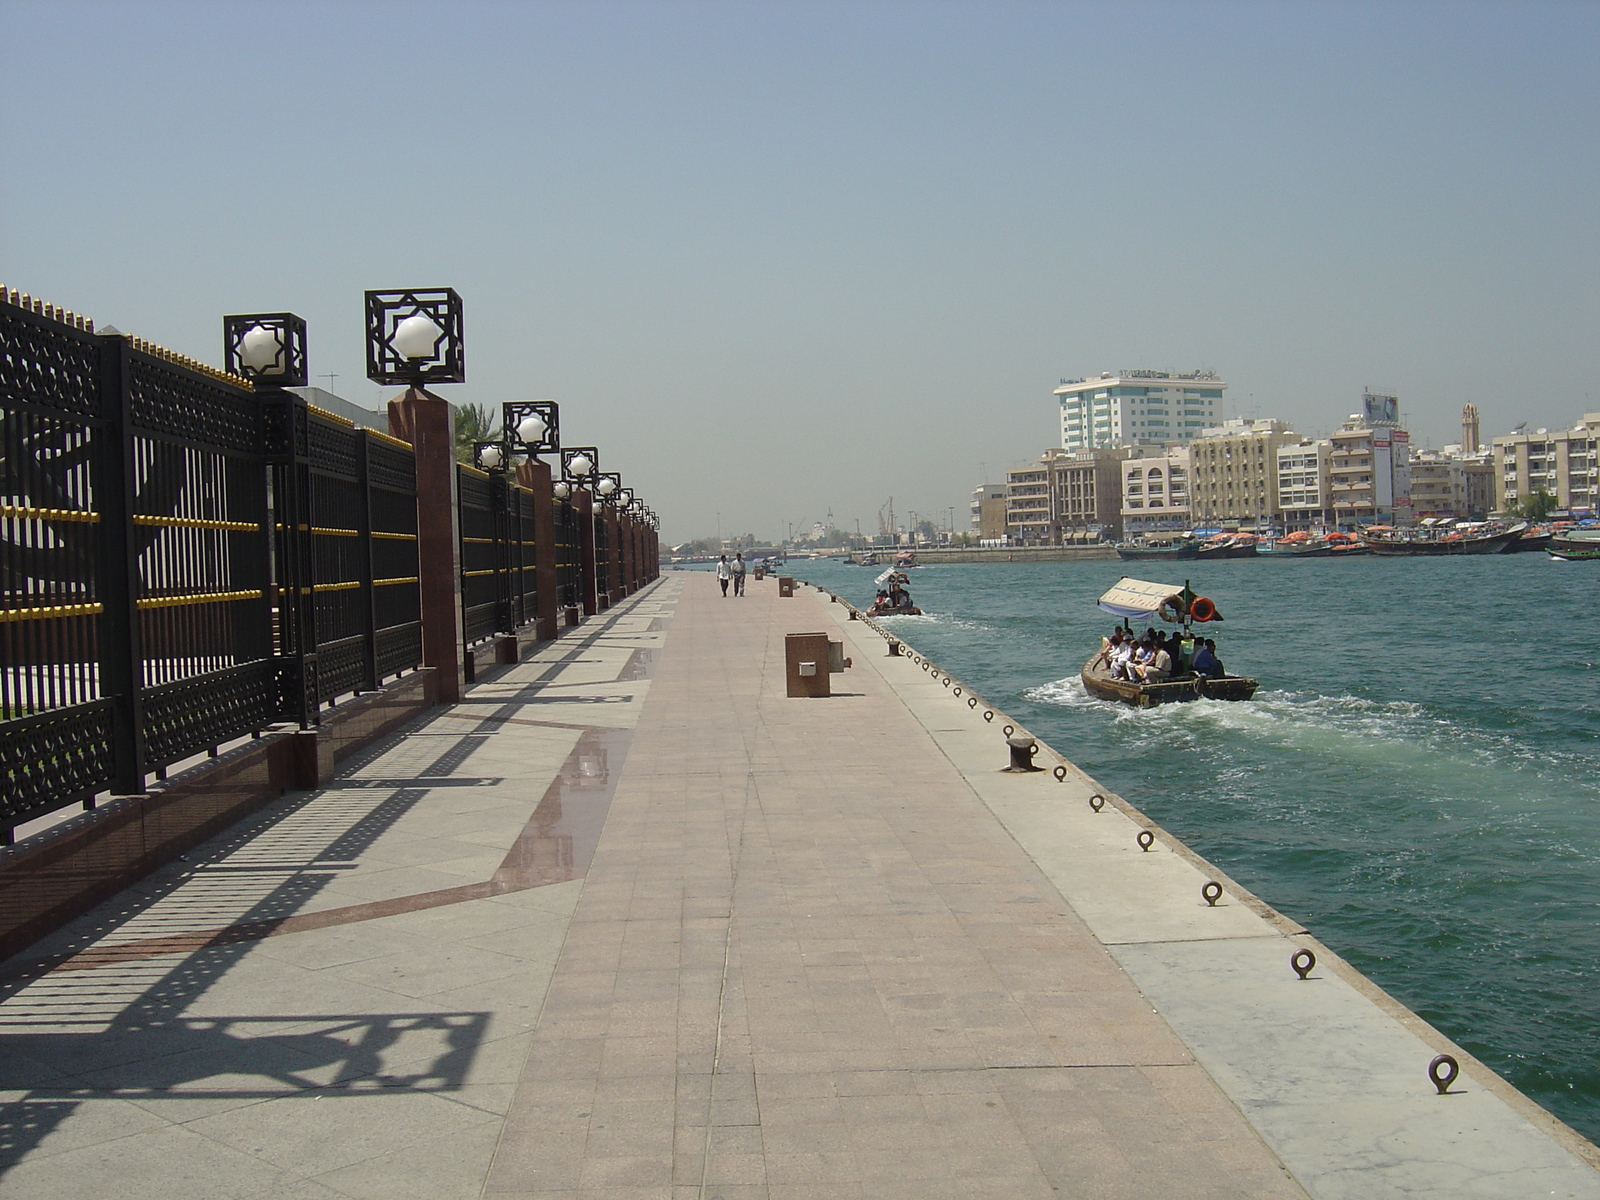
569,563
147,611
498,536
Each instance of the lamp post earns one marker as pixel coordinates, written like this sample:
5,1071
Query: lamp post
414,339
269,349
529,428
580,468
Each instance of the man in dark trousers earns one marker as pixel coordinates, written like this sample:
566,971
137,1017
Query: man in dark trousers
738,573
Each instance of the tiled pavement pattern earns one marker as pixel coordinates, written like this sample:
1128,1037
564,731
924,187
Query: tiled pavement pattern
808,962
335,998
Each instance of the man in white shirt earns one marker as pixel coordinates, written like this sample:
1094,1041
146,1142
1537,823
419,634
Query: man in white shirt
724,573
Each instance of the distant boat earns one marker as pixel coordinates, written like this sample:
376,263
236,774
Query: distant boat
1475,538
1575,545
1158,548
1295,545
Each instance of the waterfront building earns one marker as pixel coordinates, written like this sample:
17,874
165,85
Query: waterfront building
1370,468
989,510
1028,508
1066,496
1148,408
1305,489
1234,472
1438,485
1155,492
1561,463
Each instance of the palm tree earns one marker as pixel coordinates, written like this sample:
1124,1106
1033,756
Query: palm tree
473,423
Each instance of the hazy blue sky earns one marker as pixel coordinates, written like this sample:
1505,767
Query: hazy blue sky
777,258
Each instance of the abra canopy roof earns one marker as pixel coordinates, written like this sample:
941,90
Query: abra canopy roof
1136,597
1129,598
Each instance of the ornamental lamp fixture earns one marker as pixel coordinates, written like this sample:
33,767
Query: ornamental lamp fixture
414,337
266,348
608,485
579,465
535,424
490,456
563,490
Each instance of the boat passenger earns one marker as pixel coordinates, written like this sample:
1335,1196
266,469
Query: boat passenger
1122,659
1206,661
1109,645
904,602
1159,665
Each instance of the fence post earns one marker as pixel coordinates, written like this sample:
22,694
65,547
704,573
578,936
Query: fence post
423,419
121,649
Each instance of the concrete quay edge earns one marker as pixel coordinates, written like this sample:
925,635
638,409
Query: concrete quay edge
1221,977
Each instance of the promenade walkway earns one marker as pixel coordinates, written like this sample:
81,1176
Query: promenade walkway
629,923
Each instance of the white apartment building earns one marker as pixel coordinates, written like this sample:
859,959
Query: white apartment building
1155,492
1305,491
1562,463
1148,408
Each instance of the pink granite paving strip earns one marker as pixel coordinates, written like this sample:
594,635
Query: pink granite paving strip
809,963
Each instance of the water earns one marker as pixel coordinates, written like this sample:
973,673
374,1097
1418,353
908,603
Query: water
1417,781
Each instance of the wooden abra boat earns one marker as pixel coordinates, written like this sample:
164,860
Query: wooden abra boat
1137,598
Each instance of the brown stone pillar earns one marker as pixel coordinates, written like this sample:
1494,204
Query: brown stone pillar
588,588
630,583
535,476
423,419
614,539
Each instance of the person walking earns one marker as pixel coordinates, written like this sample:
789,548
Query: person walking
724,573
738,573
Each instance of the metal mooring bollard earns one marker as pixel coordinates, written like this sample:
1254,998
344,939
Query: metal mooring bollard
1443,1071
894,648
1146,839
1097,802
1212,892
1022,751
1301,962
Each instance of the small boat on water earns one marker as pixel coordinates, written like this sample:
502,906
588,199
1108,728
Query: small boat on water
905,559
1465,537
1138,598
1575,545
1158,548
1299,544
1537,538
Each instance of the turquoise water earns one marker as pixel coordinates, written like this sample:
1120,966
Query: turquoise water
1418,779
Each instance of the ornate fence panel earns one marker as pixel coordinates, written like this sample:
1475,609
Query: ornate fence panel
522,534
568,556
134,562
57,723
196,482
396,596
480,514
347,555
603,551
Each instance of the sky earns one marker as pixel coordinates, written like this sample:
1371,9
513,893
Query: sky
782,259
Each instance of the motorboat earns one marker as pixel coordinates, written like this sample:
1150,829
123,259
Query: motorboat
1142,600
1575,545
1299,544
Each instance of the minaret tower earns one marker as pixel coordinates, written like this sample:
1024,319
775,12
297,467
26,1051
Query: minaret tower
1469,429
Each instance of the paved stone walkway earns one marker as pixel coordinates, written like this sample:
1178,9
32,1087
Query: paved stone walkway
808,962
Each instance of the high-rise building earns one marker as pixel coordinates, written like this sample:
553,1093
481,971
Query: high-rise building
1562,463
1146,408
1234,472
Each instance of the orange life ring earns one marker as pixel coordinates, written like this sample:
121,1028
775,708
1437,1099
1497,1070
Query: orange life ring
1202,609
